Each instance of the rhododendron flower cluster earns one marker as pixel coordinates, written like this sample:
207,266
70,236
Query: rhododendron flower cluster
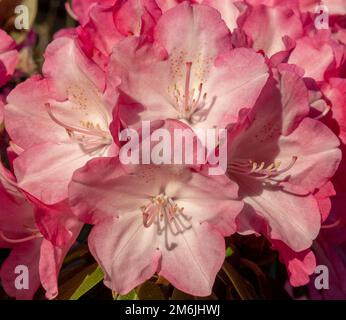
265,72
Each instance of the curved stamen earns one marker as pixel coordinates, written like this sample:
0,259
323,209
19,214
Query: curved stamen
34,236
323,114
258,171
196,102
90,132
331,226
289,167
149,215
70,11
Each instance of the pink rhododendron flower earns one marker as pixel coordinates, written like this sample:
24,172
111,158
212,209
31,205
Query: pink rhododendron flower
269,75
164,219
277,181
8,57
64,124
21,231
190,72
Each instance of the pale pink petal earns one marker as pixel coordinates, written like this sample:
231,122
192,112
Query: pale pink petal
52,259
128,257
27,120
267,26
318,159
46,170
82,84
292,214
228,10
337,7
314,56
194,259
137,17
130,192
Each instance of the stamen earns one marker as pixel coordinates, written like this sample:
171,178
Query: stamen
70,11
290,166
259,171
33,236
200,88
331,226
100,134
160,208
323,114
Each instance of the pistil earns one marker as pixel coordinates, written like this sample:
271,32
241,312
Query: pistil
187,104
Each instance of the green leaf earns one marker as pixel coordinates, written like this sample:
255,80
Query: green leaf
130,296
229,252
90,281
